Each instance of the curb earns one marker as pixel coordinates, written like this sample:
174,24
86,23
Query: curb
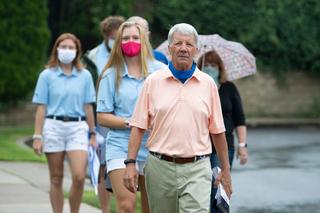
283,122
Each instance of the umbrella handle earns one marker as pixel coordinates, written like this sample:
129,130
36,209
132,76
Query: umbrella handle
203,60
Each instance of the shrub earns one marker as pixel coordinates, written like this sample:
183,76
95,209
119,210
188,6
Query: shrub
24,38
283,35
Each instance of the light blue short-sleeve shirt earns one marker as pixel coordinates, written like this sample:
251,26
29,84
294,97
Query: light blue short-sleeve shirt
64,95
100,56
121,103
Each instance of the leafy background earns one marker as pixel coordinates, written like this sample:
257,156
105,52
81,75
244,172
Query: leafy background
283,35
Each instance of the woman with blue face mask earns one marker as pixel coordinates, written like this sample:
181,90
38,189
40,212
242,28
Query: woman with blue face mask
233,115
64,121
100,54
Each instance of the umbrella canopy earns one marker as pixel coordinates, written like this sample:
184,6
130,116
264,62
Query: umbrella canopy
237,59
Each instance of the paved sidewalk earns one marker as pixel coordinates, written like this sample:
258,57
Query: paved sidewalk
24,188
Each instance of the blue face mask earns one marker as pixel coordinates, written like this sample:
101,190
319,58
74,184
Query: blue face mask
213,72
110,43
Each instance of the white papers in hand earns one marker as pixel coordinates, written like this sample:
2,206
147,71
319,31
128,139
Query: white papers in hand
94,166
221,195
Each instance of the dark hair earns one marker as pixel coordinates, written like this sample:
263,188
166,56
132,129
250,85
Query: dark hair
110,24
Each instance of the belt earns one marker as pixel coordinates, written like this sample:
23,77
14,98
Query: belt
177,159
66,118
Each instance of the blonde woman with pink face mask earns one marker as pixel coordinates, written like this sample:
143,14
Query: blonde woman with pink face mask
119,86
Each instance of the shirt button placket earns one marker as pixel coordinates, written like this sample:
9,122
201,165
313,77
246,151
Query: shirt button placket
181,96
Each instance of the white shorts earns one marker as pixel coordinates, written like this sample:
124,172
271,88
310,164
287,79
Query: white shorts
119,164
59,136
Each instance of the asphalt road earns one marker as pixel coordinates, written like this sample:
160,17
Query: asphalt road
283,172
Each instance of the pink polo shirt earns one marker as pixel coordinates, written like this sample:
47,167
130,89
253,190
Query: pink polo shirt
180,116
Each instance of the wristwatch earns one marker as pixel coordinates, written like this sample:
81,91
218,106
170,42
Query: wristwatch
37,137
127,122
243,145
127,161
92,133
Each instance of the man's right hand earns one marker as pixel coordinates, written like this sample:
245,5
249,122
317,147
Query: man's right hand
130,178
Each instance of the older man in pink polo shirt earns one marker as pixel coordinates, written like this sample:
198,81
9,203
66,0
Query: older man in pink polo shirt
180,106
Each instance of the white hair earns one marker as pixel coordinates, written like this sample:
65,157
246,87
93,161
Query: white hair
184,29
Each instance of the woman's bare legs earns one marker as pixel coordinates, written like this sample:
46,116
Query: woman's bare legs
55,163
78,165
104,195
126,200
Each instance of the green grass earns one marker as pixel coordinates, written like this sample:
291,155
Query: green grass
11,151
91,198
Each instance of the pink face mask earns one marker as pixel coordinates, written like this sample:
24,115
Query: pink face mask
131,48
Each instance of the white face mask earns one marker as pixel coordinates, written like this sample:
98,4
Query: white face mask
66,56
110,43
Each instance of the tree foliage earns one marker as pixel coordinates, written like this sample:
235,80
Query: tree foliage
82,18
24,36
283,35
